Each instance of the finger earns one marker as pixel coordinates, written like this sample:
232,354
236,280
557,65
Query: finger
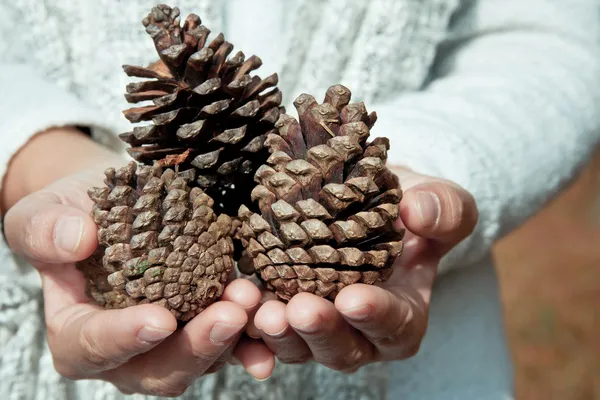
224,358
393,323
440,211
248,296
86,340
333,342
81,336
252,330
256,358
277,334
62,287
186,355
245,294
42,229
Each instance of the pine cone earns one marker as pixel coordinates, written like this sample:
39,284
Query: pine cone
207,111
327,202
160,242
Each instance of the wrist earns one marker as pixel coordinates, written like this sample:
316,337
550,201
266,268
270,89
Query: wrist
47,157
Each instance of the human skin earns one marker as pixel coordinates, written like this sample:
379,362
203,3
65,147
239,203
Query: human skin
138,349
47,220
387,321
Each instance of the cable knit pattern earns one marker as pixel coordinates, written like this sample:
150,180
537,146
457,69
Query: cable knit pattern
500,96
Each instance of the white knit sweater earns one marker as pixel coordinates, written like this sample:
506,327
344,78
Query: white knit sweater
501,96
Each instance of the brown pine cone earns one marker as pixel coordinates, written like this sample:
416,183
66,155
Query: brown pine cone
327,202
160,242
208,112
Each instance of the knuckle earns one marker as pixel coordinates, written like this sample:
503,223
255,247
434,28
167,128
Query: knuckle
66,371
92,353
354,360
356,357
58,324
404,341
203,358
31,235
340,366
290,359
351,370
390,340
163,388
216,367
37,234
122,382
124,390
412,350
456,209
402,332
29,227
220,362
52,332
350,362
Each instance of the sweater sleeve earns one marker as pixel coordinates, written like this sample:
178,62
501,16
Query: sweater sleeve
511,112
30,104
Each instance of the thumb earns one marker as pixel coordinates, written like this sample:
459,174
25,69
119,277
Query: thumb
440,211
85,340
43,229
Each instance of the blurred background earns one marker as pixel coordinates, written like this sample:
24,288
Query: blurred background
550,277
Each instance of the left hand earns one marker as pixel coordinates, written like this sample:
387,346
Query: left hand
137,349
376,323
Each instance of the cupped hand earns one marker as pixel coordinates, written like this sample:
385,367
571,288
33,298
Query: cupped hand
138,349
376,323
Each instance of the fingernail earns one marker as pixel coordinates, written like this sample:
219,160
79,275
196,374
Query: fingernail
428,207
358,313
68,233
151,334
222,332
253,333
311,326
277,334
261,371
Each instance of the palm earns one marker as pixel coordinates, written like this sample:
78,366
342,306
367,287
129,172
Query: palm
138,348
383,322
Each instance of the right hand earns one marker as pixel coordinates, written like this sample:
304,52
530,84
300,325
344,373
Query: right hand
138,349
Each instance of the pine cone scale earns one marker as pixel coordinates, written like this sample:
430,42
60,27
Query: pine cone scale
199,90
154,229
327,202
316,204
